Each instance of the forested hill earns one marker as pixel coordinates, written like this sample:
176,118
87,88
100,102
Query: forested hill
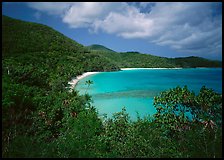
136,59
193,61
21,37
99,48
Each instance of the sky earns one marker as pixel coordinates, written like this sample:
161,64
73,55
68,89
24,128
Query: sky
166,29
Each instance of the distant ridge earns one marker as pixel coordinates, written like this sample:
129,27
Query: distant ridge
21,38
99,47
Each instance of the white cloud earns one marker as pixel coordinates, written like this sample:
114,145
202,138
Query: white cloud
52,8
130,24
85,14
184,26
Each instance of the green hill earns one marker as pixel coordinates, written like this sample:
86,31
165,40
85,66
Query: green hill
139,60
193,61
19,37
135,60
98,47
37,54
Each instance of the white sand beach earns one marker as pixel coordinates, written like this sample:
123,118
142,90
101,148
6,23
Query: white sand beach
147,68
74,81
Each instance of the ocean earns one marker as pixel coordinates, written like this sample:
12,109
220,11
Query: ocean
135,89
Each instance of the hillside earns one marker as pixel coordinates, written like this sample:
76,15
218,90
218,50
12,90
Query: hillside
98,47
193,61
136,59
21,37
139,60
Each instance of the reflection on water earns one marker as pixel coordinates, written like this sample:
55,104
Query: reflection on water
128,93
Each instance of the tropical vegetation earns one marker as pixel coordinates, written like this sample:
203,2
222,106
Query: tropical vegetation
41,118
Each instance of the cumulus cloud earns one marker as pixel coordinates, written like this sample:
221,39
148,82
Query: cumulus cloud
52,8
83,14
184,26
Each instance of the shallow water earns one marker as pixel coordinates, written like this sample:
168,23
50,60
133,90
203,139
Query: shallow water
135,89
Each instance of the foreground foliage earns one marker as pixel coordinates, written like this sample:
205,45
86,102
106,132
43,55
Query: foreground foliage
64,124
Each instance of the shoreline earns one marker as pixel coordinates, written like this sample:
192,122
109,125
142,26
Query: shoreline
123,69
146,68
75,80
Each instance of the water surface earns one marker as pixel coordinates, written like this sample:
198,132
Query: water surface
135,89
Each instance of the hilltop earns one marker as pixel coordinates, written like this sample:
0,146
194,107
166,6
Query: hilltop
99,48
20,37
194,61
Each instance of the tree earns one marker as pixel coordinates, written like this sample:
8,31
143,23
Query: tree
191,120
89,82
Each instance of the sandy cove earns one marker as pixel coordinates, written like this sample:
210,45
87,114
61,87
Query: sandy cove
74,81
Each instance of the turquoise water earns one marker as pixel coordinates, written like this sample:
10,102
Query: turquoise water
135,89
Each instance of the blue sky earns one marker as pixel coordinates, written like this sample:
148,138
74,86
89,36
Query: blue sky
174,29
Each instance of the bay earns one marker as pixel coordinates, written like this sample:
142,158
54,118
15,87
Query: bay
135,89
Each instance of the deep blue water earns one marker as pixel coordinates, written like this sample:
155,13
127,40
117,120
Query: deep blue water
135,89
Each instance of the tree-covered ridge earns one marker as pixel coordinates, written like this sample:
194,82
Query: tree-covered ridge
99,48
133,59
139,60
192,61
21,37
40,118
